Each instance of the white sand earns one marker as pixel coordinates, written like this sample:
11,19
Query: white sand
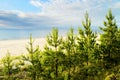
18,47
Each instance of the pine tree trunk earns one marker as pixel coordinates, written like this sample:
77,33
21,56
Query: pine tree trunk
56,63
56,73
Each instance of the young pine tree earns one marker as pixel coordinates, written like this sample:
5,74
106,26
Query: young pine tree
69,46
117,45
54,42
7,62
109,41
35,59
86,47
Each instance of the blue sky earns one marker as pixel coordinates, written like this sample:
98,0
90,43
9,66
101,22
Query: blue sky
36,14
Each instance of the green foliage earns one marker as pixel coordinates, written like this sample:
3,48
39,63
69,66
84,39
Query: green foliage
7,62
109,42
86,40
69,45
54,57
54,40
34,58
87,48
111,77
77,57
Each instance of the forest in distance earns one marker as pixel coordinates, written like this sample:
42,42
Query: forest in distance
75,57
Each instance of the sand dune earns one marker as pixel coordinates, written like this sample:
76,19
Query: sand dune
17,47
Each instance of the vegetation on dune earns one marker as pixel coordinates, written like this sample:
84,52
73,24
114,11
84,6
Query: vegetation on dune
77,57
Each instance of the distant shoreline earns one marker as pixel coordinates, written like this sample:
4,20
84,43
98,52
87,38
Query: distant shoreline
20,38
16,34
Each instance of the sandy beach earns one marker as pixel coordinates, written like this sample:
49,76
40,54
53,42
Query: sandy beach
18,47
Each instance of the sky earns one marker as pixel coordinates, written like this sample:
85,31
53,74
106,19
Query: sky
37,14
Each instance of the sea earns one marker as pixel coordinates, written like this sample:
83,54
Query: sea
14,34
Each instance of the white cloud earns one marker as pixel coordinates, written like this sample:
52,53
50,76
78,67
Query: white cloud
20,20
71,12
35,3
116,5
58,13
